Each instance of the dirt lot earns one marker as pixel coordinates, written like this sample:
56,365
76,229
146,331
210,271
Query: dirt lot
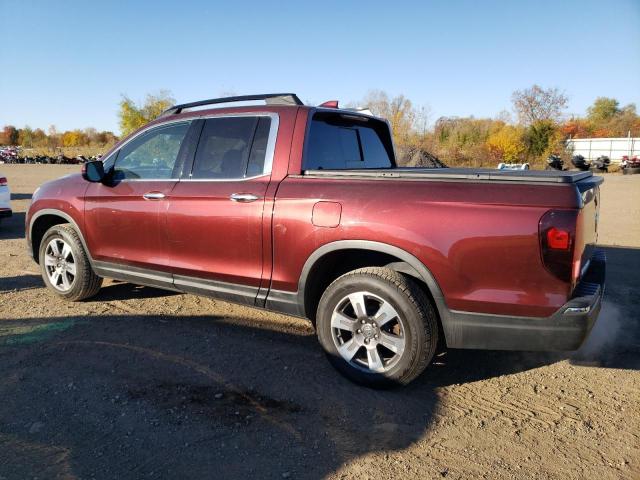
140,383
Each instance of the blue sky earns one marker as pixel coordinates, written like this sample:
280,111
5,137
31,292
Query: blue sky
68,62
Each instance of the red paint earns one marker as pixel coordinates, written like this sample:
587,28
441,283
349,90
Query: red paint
326,214
329,104
480,240
123,227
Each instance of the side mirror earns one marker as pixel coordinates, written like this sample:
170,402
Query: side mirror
93,171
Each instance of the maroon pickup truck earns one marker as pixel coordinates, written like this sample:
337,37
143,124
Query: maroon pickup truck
302,210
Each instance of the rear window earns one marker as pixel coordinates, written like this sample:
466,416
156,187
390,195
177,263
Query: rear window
340,141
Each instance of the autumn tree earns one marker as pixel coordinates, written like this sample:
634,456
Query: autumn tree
538,137
9,135
74,138
603,109
39,138
506,143
535,104
133,116
25,137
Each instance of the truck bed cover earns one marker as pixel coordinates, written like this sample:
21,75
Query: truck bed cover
482,174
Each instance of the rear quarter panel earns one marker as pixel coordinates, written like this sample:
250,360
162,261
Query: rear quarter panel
479,240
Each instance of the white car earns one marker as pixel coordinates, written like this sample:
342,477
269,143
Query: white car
5,198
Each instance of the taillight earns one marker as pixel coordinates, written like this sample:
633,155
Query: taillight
3,182
557,231
558,239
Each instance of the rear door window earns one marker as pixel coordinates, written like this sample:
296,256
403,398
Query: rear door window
231,148
342,141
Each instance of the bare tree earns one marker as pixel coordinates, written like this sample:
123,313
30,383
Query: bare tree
398,110
536,103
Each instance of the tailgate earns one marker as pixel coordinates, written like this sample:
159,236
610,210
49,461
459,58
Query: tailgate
587,223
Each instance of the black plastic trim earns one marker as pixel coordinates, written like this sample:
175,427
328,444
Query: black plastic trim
232,292
58,213
403,255
565,330
136,275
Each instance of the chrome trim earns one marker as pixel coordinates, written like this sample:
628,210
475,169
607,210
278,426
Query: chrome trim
243,197
577,310
223,179
154,196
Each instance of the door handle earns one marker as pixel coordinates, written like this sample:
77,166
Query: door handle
244,197
153,196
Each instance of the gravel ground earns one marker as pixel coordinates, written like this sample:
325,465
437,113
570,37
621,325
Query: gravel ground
141,383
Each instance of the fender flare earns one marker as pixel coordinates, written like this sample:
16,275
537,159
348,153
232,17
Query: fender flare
57,213
423,272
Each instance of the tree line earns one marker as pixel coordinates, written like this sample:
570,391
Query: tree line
52,139
536,128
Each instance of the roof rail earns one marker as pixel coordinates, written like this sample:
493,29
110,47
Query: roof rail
269,98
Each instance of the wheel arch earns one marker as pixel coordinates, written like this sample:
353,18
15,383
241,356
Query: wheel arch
400,260
42,221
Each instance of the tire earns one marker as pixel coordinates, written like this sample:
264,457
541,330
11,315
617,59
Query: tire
412,332
630,170
64,264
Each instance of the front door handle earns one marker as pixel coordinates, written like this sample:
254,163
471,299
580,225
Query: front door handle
153,196
244,197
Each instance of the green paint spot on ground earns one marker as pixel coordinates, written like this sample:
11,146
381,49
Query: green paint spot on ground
25,334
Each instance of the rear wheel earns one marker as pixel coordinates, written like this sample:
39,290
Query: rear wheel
65,266
377,327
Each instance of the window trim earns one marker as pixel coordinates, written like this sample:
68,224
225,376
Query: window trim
269,153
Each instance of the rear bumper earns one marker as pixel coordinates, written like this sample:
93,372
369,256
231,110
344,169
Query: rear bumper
567,329
5,212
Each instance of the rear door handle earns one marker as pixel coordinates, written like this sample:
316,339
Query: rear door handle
153,196
244,197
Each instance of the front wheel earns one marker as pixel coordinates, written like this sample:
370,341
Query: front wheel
65,266
377,327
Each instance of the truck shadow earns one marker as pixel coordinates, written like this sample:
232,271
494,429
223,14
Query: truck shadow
200,396
203,396
131,396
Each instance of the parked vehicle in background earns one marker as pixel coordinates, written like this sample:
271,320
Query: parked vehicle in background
554,162
302,210
601,163
630,166
9,154
580,162
513,166
5,198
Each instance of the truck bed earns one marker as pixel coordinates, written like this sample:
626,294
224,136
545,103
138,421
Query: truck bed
482,174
